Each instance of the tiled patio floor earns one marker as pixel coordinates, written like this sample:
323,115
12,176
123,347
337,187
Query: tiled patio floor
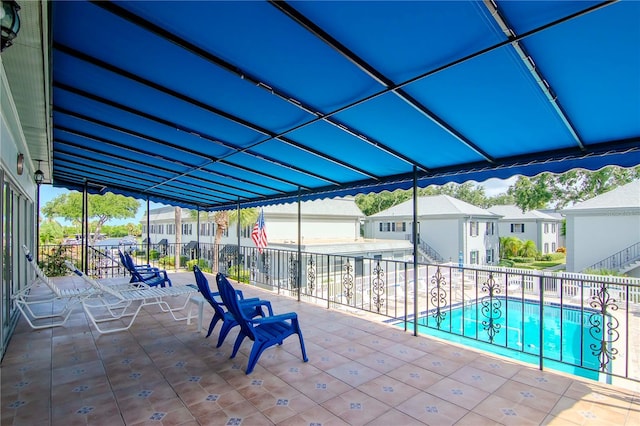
360,372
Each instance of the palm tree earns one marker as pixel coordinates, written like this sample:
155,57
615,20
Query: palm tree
223,219
528,249
509,246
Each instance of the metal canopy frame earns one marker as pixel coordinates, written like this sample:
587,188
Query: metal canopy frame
304,100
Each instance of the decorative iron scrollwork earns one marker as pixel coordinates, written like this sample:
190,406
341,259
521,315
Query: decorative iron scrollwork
438,295
604,327
491,307
293,272
254,265
347,281
378,286
311,275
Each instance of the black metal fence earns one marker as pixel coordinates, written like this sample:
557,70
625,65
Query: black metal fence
582,324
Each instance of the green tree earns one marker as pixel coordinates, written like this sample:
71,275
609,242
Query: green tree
50,232
467,192
374,203
102,208
500,200
572,187
532,194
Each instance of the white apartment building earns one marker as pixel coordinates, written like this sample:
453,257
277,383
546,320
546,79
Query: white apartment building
456,230
541,228
605,226
329,226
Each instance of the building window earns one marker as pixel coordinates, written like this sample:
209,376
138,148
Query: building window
187,228
246,231
517,228
399,227
546,228
473,228
144,229
546,248
385,226
553,247
161,229
489,255
171,229
553,228
473,257
490,228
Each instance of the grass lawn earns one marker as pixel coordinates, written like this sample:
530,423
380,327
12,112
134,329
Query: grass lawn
539,264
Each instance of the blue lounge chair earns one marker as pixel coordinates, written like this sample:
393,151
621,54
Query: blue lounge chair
146,274
251,307
265,332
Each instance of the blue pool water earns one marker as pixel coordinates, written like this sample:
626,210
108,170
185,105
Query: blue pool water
568,335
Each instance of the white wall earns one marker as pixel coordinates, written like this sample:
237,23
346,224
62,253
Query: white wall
279,228
592,238
550,238
443,235
312,228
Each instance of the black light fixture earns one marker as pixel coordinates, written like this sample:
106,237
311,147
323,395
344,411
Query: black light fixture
9,23
38,176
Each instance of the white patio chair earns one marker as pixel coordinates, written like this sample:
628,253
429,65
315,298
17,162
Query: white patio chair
109,305
28,303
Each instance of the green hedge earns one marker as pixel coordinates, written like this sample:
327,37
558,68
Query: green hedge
203,264
604,271
244,274
522,259
170,261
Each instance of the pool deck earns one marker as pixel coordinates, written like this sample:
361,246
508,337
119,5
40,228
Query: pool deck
361,371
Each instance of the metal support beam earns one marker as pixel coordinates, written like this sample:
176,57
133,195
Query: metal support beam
148,235
414,234
37,223
238,231
299,266
198,238
85,229
528,61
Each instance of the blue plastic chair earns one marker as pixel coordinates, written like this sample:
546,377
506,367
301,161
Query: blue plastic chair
265,332
251,307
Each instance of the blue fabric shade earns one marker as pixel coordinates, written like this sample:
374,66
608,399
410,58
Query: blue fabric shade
207,104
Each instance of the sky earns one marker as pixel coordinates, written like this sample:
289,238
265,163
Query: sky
48,192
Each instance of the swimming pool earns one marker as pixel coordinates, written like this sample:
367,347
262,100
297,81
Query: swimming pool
511,327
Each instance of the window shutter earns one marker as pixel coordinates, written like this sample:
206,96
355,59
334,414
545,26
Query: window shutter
512,228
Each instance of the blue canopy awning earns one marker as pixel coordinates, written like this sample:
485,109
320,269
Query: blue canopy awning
207,104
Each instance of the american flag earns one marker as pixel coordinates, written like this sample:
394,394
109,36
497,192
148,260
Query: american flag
259,233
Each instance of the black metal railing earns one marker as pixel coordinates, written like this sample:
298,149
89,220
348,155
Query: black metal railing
618,260
431,252
579,323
